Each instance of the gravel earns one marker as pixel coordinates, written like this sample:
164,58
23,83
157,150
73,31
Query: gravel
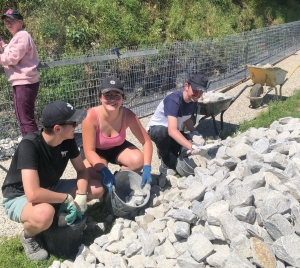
237,113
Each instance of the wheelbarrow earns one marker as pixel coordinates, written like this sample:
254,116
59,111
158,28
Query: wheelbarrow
214,108
269,76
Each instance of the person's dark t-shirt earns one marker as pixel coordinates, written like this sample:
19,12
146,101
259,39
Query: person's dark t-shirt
34,153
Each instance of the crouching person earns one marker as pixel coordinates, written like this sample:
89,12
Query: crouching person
33,188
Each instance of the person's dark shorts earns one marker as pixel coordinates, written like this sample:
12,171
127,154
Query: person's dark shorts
111,154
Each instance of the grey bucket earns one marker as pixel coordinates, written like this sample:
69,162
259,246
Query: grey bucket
126,182
185,166
64,241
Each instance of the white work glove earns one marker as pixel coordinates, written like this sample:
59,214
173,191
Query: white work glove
195,149
200,150
81,204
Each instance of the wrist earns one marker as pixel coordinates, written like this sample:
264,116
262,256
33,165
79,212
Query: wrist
103,170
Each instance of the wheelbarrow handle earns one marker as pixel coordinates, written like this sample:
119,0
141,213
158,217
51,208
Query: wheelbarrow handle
239,94
291,73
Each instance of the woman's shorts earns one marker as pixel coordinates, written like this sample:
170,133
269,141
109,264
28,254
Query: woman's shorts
111,154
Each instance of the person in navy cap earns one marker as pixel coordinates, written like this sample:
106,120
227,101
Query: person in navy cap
165,127
33,191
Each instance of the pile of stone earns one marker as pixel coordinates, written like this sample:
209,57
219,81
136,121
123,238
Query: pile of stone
8,147
241,210
213,96
137,198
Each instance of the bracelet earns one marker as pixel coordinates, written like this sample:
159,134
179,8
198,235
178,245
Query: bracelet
66,198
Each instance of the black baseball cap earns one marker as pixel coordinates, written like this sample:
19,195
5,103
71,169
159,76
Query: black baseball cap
111,83
58,112
13,14
198,82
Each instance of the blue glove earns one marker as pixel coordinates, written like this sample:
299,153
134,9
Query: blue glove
108,179
68,206
146,176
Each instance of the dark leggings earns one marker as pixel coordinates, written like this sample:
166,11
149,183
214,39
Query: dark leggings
164,143
24,101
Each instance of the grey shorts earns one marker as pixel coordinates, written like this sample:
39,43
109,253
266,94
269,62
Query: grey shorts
13,207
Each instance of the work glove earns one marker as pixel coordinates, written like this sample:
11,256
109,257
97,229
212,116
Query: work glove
108,179
200,150
68,206
146,176
81,205
195,149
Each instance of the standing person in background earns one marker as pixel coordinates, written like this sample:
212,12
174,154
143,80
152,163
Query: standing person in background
104,137
20,61
166,125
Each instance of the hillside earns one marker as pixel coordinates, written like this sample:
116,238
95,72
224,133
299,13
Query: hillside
59,26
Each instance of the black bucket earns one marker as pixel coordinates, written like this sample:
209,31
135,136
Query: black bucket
126,182
185,166
64,241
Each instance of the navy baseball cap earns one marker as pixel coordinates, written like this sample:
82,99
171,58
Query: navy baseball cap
58,112
198,82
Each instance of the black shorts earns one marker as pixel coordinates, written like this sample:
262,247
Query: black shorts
111,154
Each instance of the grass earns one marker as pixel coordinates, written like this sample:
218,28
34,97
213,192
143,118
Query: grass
11,250
13,255
276,109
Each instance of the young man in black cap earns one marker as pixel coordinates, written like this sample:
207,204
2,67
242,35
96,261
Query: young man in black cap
165,127
32,185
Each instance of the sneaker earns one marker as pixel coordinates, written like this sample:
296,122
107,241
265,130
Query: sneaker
33,248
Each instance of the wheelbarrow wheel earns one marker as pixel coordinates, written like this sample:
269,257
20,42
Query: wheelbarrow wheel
255,95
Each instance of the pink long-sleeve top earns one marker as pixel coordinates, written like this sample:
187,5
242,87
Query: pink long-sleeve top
20,60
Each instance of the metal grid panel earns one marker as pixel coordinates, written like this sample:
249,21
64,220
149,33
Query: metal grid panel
149,72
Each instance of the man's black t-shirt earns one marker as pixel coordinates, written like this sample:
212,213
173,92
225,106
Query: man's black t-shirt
34,153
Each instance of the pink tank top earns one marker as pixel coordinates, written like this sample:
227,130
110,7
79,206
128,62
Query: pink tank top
105,143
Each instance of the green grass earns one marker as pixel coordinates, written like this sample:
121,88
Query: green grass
275,111
12,253
11,250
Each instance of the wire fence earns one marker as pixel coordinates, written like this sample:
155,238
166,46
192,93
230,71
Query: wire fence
149,72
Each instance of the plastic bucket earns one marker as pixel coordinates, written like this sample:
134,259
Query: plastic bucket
126,182
64,241
185,166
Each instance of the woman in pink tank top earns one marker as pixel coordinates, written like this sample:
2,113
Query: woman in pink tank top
104,136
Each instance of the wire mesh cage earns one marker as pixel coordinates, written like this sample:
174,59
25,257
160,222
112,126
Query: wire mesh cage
150,72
